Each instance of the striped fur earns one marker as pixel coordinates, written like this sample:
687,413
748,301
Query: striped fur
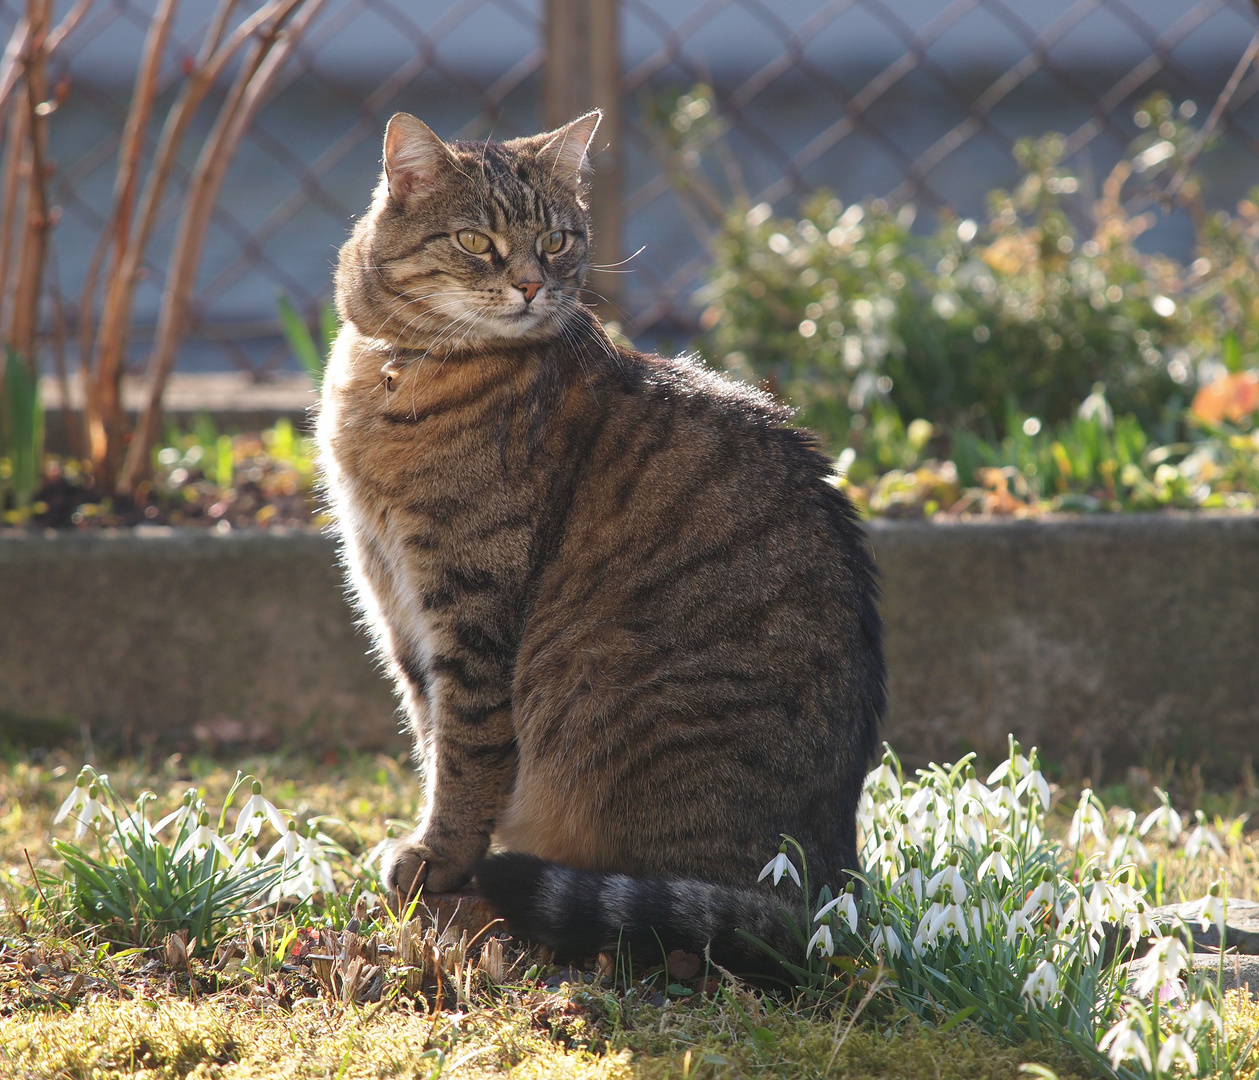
633,627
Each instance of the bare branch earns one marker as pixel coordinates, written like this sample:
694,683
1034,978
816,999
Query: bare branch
247,94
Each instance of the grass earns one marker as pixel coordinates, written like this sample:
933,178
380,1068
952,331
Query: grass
73,1007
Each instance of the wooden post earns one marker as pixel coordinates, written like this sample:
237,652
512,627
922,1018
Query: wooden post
583,72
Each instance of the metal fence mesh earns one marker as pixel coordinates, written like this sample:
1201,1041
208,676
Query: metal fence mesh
908,100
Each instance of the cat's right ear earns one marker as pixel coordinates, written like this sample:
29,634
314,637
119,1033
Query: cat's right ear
415,158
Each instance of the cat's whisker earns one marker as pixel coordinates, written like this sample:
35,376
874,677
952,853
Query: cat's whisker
608,267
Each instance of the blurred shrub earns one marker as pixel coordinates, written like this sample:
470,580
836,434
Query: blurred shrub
852,317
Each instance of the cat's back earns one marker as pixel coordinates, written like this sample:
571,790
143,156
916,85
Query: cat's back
707,624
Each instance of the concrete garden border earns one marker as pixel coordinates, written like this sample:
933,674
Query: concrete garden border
1109,641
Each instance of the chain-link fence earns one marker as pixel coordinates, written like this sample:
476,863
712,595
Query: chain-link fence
907,100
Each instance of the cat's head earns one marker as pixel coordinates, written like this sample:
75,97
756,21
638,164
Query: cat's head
470,244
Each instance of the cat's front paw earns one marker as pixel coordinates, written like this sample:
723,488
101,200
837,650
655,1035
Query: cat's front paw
412,864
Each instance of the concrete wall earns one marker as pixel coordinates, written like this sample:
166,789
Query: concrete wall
1108,641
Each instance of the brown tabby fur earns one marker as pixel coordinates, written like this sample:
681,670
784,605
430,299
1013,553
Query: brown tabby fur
633,626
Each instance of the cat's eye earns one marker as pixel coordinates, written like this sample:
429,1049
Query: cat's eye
553,242
471,240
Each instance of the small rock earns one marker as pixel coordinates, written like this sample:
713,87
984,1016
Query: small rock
1239,971
1241,925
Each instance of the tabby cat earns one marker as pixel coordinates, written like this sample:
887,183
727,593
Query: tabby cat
633,626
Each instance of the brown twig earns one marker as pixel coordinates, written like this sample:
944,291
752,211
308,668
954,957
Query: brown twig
275,45
30,265
15,151
11,64
105,420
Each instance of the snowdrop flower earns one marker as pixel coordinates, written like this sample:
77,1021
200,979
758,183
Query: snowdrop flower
1125,1041
970,822
948,921
315,863
1202,836
1017,924
257,810
909,834
821,940
1200,1015
884,939
1015,766
246,860
1164,815
1138,920
885,777
888,854
186,809
1041,986
778,866
1126,846
980,915
1211,910
1175,1049
1037,784
202,838
1106,900
1043,894
949,878
995,864
88,814
287,845
845,903
76,800
1087,820
912,878
973,789
1163,965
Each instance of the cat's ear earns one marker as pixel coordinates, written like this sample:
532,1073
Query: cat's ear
564,149
415,158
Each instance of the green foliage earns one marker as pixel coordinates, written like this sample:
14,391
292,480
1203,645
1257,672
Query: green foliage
312,356
971,909
136,888
846,309
21,436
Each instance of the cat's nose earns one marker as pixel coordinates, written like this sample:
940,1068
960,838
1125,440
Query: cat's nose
529,288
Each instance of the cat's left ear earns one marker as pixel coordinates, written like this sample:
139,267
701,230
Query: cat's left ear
564,149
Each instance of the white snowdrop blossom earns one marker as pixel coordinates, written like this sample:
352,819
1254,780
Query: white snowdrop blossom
846,904
1041,986
883,939
1015,925
190,806
201,839
778,866
1167,958
246,859
1126,847
995,864
969,817
1035,782
1138,920
1201,837
911,879
1087,820
950,920
89,813
286,846
885,777
1176,1049
76,800
949,878
1211,910
1165,816
257,810
1199,1015
822,940
1125,1041
1015,766
1040,896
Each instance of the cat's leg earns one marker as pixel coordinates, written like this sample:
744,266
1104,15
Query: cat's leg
459,703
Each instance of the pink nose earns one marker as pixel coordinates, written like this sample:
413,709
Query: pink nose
529,288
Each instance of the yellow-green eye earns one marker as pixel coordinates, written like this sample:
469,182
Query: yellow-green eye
476,242
553,242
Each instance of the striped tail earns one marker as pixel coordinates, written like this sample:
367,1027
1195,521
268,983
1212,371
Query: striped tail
578,913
